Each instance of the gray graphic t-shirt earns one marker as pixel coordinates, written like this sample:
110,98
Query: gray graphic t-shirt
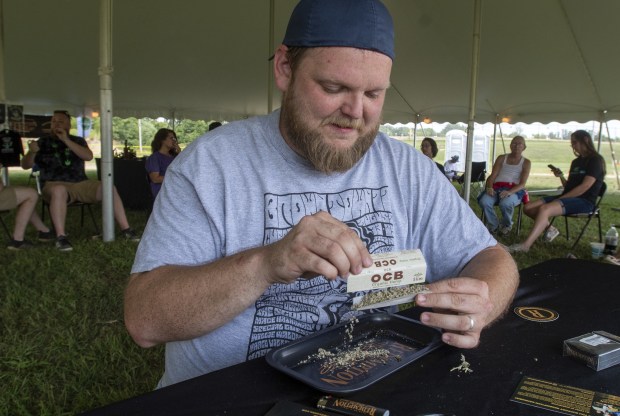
241,186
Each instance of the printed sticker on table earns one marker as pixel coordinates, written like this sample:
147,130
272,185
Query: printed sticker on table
536,313
567,400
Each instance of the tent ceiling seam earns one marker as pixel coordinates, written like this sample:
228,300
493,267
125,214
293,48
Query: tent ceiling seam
403,98
581,55
2,58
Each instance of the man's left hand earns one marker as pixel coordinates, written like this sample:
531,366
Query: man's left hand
461,307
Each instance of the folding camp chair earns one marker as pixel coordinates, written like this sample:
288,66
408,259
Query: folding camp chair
478,176
6,228
596,212
519,217
45,207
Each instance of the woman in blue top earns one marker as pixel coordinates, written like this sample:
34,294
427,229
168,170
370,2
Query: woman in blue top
165,148
586,176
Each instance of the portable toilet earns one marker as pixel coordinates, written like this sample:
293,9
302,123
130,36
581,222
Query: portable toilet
456,145
480,152
456,142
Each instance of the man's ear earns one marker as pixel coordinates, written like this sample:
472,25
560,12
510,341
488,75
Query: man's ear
282,71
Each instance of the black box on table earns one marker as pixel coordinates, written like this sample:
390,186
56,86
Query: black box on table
597,349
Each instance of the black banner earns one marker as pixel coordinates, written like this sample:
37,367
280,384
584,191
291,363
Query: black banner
33,126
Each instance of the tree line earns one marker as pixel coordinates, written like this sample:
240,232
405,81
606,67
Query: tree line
132,130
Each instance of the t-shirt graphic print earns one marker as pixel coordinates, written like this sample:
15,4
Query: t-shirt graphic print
286,312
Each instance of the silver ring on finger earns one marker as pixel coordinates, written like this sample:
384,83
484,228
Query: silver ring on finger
472,323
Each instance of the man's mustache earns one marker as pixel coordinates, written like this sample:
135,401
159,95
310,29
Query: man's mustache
344,122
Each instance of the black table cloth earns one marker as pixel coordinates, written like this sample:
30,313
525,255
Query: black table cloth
130,179
583,293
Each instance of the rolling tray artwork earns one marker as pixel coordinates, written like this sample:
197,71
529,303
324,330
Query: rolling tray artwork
353,355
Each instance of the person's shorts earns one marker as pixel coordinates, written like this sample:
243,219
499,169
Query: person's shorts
84,191
8,199
572,205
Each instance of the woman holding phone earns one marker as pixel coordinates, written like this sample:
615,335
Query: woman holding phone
165,148
581,188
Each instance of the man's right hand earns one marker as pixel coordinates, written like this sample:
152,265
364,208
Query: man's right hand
318,245
33,146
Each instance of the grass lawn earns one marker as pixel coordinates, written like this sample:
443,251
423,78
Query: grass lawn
64,348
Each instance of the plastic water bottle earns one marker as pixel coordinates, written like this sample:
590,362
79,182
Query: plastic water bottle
611,240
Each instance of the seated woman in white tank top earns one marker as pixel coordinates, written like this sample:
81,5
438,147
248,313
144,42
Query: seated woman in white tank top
505,187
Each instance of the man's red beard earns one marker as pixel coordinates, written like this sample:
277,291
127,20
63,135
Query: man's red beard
310,144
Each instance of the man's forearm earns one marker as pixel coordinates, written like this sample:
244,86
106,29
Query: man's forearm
496,267
183,302
28,160
82,152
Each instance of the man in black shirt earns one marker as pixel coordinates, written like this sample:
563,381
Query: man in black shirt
60,158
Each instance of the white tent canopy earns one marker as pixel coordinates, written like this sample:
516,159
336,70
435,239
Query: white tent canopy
551,60
526,60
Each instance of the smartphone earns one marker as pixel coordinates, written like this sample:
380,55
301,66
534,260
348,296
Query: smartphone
556,171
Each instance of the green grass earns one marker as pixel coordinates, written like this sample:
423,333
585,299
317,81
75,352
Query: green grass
63,346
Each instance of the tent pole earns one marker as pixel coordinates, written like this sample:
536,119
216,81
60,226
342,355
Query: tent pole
4,177
422,128
2,86
501,136
494,137
415,129
613,155
472,98
422,123
105,85
269,62
140,134
600,133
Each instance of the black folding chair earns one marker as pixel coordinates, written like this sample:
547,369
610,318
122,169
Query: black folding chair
45,207
519,217
478,176
6,228
596,212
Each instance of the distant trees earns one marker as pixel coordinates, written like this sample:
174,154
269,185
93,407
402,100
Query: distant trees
189,130
127,129
449,126
394,131
130,129
404,131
